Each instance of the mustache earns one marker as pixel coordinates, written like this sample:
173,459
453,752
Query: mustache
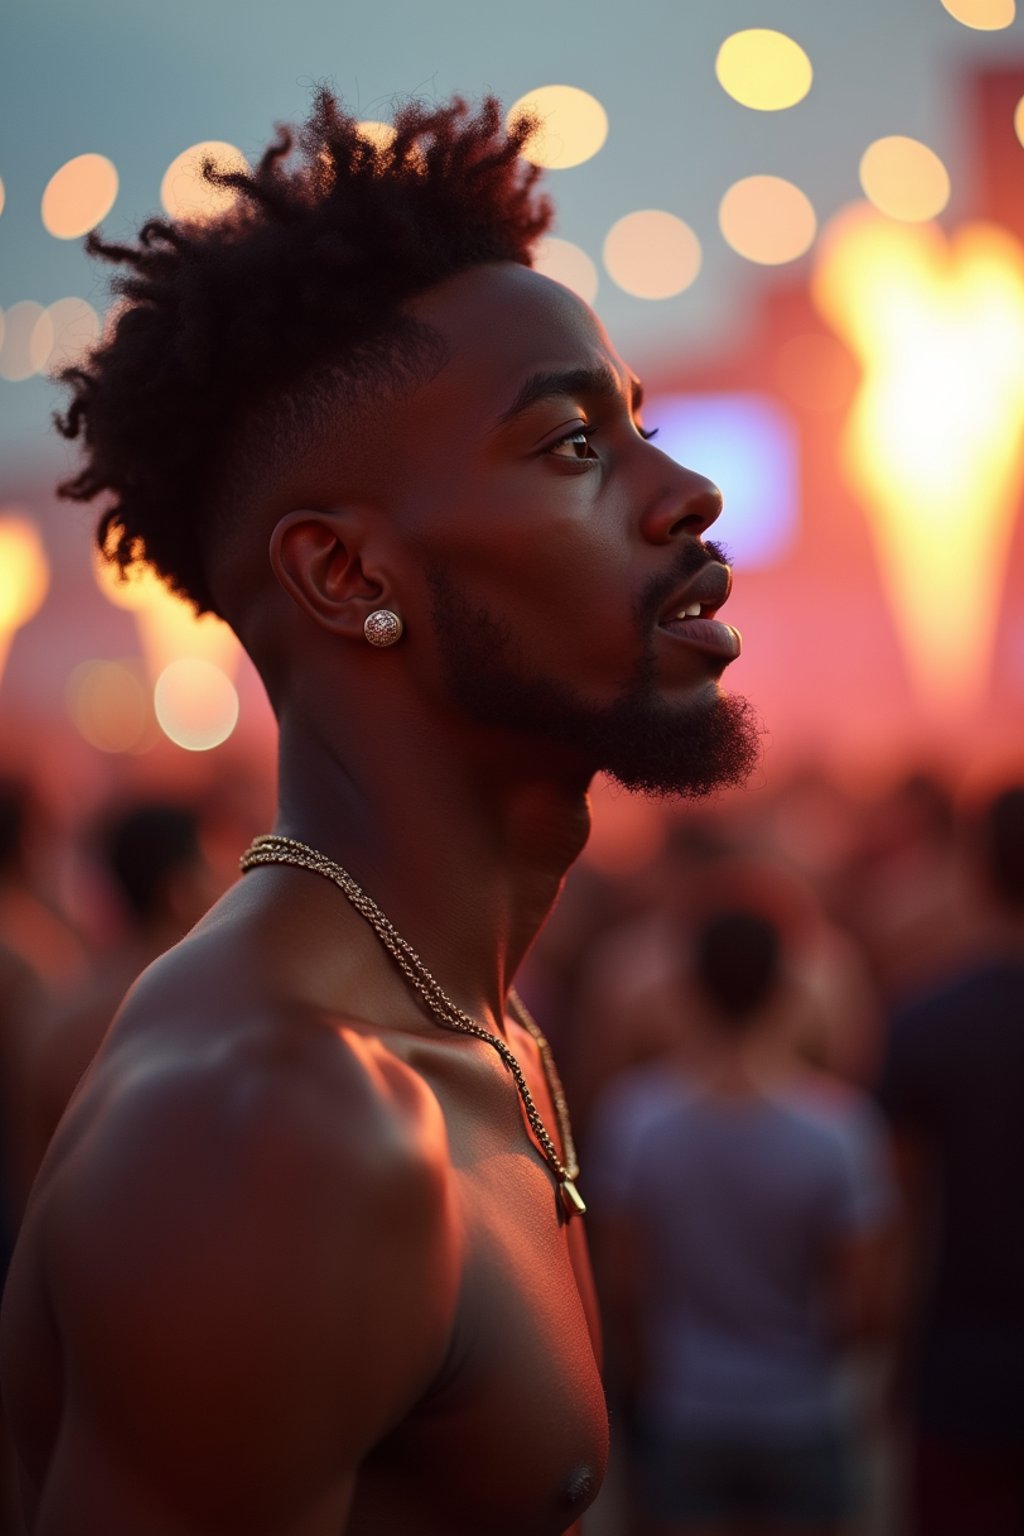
693,557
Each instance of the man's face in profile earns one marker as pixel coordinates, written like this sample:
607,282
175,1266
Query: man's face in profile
568,590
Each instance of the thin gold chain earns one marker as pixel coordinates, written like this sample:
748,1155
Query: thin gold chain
273,848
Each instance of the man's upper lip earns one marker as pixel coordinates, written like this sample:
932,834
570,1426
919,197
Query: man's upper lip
710,587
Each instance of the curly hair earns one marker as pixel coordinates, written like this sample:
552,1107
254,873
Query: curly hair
268,311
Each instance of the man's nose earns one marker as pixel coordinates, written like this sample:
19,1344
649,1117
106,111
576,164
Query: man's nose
684,503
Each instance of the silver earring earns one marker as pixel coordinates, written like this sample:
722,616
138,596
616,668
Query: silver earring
382,627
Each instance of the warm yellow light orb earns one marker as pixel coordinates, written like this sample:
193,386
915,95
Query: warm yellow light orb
375,132
763,69
27,340
109,705
567,263
652,254
904,179
767,219
24,575
184,191
79,195
983,15
76,328
572,126
196,704
1018,120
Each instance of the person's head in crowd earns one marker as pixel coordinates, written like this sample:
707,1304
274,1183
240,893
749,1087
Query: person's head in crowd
162,878
737,966
1000,839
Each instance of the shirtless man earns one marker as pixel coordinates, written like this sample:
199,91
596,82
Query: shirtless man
298,1261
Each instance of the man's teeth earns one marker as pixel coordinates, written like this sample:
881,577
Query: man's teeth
692,612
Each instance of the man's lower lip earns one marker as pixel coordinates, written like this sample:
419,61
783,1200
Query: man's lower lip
709,635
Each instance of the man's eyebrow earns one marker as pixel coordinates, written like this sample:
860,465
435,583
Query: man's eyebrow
599,381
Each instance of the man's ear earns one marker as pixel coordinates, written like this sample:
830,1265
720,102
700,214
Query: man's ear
318,559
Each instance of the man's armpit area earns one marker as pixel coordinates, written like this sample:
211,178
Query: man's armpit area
252,1281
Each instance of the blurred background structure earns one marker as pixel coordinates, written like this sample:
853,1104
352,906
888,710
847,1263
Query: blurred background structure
803,225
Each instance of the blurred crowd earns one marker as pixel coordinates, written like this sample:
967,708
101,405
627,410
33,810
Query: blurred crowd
793,1044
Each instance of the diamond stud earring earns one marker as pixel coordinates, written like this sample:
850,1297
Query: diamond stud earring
382,627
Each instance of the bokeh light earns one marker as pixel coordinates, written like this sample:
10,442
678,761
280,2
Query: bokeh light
76,328
572,126
196,704
763,69
24,575
567,263
1018,120
934,443
3,195
904,178
110,705
376,132
983,15
27,340
167,625
767,219
184,191
652,254
747,444
79,195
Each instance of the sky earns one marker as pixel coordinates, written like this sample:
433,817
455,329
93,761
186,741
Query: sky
141,80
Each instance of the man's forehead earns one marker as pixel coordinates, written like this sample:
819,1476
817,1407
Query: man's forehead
503,325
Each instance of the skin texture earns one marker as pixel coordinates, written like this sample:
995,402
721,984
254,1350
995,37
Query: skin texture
294,1264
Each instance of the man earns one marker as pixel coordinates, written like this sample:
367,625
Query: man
742,1202
303,1256
952,1082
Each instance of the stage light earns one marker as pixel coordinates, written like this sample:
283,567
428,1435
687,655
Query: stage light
767,220
763,69
76,328
27,340
904,178
746,443
934,444
184,191
196,704
983,15
24,576
652,254
566,263
572,126
78,196
110,706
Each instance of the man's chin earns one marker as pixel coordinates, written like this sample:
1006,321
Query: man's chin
689,752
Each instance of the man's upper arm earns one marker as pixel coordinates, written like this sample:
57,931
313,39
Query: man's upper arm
252,1283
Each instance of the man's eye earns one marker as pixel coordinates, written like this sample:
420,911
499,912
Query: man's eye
575,444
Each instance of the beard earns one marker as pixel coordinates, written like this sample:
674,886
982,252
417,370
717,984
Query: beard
710,742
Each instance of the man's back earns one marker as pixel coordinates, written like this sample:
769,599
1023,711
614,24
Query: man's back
275,1267
755,1192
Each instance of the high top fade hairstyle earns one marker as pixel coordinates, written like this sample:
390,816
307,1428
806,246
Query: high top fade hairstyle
243,336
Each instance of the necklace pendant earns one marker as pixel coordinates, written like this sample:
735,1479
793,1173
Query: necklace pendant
572,1200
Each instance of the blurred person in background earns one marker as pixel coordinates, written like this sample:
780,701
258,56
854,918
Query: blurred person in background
151,855
305,1254
953,1086
741,1207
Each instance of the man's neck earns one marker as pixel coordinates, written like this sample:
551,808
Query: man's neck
465,861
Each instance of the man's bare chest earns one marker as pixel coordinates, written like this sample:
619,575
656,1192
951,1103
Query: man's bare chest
513,1435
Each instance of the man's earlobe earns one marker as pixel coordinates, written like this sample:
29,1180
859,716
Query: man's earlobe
317,558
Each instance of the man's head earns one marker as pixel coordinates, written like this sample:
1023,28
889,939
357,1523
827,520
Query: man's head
352,393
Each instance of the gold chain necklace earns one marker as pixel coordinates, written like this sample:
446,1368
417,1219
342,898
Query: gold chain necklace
272,848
